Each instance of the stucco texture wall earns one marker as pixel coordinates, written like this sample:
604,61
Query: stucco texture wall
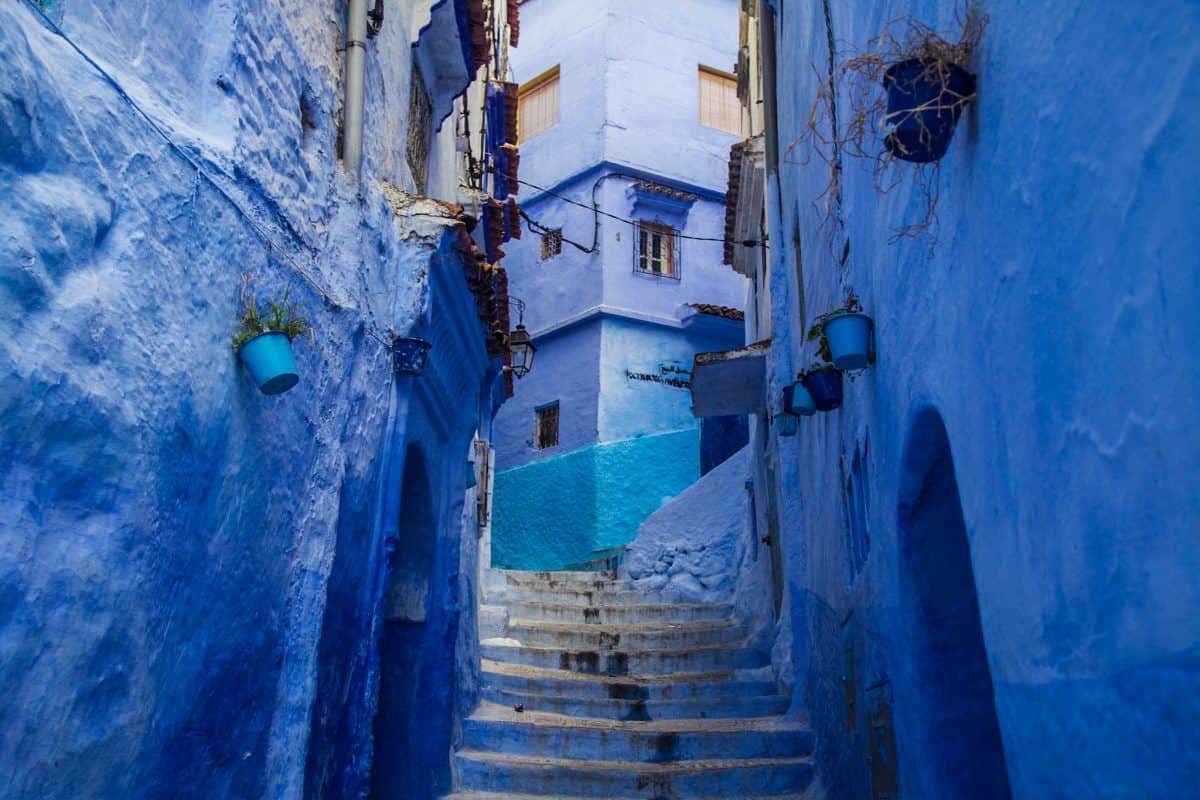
1049,328
162,584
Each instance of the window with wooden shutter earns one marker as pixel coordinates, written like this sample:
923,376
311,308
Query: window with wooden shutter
538,105
546,434
719,104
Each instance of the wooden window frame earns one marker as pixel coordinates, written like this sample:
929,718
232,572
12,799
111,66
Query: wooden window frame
643,261
529,87
727,76
540,413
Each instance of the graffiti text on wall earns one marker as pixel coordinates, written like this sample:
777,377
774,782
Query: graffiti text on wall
669,374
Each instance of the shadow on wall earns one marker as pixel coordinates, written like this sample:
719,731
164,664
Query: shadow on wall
412,725
950,743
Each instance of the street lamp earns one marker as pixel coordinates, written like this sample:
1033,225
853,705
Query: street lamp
520,343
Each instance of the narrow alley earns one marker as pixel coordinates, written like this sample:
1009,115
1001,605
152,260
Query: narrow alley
576,399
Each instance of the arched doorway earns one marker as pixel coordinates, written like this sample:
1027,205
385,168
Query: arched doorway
954,747
411,730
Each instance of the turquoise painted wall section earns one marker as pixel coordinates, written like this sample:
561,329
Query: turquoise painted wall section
634,477
554,512
544,512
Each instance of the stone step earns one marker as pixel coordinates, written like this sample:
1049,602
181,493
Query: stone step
522,678
636,636
548,611
501,729
558,777
473,795
626,662
563,580
586,597
716,706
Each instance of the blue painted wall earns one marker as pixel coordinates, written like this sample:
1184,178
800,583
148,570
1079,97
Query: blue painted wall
171,541
628,86
1050,330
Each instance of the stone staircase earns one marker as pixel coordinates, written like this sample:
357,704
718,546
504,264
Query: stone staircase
622,696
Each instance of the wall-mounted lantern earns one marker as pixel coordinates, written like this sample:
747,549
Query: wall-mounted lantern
520,343
409,355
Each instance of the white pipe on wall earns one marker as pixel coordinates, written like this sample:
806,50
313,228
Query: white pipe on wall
356,56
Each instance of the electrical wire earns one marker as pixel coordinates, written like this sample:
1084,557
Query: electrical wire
598,212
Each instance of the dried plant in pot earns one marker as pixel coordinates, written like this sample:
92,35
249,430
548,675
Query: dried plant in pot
264,341
908,87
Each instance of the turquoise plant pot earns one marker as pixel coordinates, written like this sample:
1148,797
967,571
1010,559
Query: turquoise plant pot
269,358
797,401
849,337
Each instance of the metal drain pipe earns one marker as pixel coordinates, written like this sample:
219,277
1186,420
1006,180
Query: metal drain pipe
356,57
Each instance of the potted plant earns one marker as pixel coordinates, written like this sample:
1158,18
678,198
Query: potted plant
822,380
264,342
797,400
847,333
926,85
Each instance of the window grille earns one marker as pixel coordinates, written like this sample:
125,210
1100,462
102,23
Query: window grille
537,108
551,243
420,130
719,104
546,434
656,250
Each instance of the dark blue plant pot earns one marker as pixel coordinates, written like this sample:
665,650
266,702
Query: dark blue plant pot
849,337
825,386
924,102
270,361
409,355
797,401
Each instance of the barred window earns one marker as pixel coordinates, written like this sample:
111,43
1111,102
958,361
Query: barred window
551,243
546,434
657,250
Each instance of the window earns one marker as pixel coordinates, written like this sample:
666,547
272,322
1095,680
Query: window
551,243
420,130
719,106
656,250
537,109
546,434
854,511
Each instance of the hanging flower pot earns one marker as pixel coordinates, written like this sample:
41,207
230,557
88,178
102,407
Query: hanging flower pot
409,355
849,336
797,401
825,386
269,358
264,342
925,98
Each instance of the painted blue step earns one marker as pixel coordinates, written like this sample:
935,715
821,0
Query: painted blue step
617,614
626,662
709,778
474,795
636,636
710,707
500,729
677,686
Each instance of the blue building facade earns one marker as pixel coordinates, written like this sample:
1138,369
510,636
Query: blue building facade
618,301
987,557
206,591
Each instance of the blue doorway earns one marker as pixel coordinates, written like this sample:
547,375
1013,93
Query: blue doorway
954,747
